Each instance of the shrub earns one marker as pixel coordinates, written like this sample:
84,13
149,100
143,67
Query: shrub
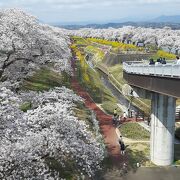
166,55
113,43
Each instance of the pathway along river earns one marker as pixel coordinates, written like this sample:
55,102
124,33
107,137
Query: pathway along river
121,99
124,103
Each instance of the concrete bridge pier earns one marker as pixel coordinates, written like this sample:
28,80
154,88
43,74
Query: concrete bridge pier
162,129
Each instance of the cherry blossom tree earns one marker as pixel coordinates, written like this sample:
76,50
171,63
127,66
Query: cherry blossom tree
25,45
50,132
159,37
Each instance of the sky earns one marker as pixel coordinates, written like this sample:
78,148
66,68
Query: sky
94,11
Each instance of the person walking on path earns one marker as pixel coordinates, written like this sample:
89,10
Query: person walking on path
148,121
129,113
124,116
115,120
122,147
120,139
115,112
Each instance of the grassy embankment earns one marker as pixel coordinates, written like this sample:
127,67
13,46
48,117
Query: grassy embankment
96,47
138,152
43,80
130,130
116,71
134,131
91,81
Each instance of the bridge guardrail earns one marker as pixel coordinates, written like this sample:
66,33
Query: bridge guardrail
170,69
177,113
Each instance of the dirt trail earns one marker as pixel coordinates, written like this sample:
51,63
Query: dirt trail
105,122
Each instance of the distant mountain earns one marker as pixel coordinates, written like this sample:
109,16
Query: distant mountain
98,26
170,19
159,22
149,24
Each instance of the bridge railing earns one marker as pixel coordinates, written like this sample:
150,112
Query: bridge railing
178,114
169,69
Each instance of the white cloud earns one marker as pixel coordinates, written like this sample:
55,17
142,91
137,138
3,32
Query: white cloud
157,1
78,3
76,10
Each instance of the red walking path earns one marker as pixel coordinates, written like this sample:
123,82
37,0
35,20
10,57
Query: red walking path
105,122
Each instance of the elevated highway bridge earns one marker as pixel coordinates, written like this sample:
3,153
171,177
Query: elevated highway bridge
161,84
164,79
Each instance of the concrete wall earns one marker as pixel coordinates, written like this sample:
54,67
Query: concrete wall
112,59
